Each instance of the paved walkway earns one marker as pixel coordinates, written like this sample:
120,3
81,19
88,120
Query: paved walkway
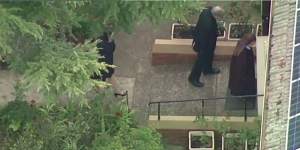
7,80
164,82
147,83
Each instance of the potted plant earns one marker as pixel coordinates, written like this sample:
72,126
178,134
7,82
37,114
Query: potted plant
182,31
232,141
252,144
251,135
201,140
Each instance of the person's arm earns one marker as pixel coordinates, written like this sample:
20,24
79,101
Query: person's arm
113,46
204,31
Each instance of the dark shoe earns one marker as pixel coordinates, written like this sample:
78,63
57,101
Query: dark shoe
196,83
212,71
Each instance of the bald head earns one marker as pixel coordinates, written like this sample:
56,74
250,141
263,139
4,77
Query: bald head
217,11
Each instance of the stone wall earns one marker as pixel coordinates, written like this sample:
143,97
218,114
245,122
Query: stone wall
278,85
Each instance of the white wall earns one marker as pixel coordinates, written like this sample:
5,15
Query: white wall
262,46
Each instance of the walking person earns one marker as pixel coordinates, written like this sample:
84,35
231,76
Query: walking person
242,79
106,48
204,43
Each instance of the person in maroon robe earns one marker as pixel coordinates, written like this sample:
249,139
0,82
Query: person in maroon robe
242,79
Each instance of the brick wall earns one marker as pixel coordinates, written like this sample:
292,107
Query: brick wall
278,83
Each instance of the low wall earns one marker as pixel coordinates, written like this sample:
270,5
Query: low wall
178,51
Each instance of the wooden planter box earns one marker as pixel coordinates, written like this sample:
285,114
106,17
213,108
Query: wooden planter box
201,140
182,31
180,51
236,30
185,31
232,141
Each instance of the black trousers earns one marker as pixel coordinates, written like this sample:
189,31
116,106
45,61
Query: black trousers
203,63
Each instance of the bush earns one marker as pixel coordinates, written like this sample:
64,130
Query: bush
16,115
99,125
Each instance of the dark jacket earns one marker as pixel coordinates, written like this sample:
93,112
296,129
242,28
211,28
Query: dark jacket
205,34
106,49
242,79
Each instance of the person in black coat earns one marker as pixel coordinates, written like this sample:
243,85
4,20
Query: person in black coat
204,43
106,48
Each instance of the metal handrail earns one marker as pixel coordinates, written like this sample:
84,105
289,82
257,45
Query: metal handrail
202,101
124,95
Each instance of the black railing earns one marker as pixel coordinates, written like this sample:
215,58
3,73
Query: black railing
124,95
202,100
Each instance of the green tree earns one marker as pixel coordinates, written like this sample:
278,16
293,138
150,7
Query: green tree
99,125
39,39
48,44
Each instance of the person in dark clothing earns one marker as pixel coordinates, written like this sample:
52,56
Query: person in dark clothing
204,43
106,48
242,80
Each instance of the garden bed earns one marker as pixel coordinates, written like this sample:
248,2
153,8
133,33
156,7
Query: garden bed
201,140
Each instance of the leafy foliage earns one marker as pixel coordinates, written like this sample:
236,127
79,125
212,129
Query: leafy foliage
221,127
44,41
16,115
38,38
99,125
129,139
61,68
252,135
249,134
12,26
123,15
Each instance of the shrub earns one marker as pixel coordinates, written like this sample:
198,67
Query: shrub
98,125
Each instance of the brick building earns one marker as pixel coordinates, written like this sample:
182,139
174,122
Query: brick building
277,101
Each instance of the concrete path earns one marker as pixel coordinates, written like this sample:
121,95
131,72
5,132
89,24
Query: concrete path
164,82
